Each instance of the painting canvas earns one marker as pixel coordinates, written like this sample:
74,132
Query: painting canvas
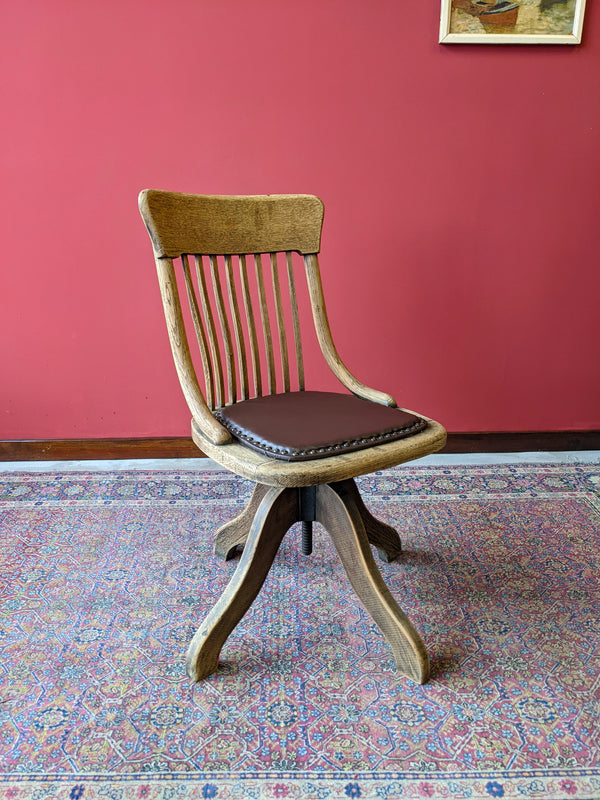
512,21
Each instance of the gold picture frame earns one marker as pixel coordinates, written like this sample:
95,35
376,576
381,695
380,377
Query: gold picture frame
511,21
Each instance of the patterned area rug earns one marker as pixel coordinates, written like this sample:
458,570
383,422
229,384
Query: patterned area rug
105,576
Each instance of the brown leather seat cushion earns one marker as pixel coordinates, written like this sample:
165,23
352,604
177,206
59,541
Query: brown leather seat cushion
299,426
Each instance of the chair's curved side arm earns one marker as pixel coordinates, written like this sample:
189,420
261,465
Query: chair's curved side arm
335,363
211,427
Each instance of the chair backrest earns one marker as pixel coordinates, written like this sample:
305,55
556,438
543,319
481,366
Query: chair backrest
221,243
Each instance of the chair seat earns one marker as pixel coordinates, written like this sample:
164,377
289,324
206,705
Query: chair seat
263,468
301,426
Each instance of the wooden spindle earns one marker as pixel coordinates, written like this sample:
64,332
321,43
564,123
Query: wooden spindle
225,330
285,367
212,335
254,356
266,325
295,321
237,329
200,335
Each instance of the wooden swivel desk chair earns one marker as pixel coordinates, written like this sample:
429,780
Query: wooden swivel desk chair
303,449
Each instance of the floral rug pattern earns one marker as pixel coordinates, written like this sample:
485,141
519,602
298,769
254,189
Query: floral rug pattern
105,576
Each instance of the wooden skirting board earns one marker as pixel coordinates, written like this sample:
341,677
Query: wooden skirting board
183,447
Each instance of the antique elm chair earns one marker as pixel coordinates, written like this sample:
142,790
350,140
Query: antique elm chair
301,448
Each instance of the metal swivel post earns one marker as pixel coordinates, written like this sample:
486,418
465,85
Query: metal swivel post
307,506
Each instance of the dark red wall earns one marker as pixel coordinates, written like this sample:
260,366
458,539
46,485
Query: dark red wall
461,184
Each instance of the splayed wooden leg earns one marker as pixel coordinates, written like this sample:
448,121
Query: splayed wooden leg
337,511
383,536
276,513
234,534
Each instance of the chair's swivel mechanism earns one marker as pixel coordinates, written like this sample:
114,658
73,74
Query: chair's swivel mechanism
303,449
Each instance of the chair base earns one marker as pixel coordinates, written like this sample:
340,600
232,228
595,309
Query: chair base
233,534
260,529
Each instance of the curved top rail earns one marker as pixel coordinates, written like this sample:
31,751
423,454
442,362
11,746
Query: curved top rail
212,224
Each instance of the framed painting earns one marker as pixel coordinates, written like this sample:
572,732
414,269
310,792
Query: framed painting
511,21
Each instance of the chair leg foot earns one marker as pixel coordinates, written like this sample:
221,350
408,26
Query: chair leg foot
383,536
276,513
339,513
234,533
